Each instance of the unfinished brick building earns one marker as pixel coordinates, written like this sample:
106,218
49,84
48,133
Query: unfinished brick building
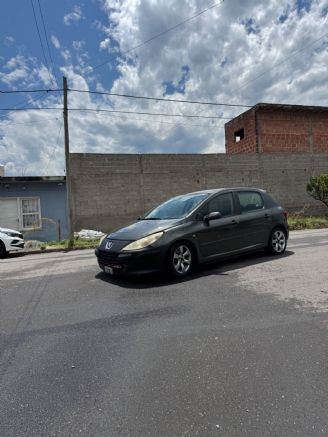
274,128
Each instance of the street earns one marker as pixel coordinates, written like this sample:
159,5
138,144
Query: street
237,349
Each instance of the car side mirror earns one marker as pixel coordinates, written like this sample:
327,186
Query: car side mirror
212,216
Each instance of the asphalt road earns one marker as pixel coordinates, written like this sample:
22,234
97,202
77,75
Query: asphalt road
238,349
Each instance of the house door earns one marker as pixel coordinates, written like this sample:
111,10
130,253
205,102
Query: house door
9,217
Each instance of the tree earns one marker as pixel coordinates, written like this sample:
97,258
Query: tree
318,188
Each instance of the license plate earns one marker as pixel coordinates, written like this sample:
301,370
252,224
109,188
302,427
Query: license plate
109,270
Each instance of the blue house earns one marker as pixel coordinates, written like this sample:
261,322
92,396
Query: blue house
34,205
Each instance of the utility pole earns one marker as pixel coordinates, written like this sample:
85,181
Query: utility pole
68,174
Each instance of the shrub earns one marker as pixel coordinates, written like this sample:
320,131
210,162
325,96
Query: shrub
318,188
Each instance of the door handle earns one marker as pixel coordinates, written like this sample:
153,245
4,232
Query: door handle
234,222
266,216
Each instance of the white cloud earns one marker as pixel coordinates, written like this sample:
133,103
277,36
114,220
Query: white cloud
19,70
104,44
66,54
9,40
78,45
45,76
55,41
74,16
224,48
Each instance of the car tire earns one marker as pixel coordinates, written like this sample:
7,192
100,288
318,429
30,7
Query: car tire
3,252
180,259
277,242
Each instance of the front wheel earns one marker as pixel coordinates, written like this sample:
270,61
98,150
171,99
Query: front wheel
180,260
278,242
3,251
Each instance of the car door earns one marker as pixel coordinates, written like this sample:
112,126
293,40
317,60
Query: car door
219,236
254,219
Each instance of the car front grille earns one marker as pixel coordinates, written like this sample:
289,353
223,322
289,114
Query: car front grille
17,243
107,258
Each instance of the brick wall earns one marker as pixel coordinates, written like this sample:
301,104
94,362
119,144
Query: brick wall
112,190
279,130
247,122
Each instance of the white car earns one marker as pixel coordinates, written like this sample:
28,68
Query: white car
10,241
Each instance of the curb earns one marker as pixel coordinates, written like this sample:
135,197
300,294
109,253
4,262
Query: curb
32,252
308,231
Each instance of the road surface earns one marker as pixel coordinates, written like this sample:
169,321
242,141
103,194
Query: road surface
238,349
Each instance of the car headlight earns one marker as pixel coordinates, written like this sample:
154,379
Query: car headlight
143,242
10,234
102,239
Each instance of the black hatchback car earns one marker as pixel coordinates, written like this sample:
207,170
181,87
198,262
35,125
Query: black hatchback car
196,228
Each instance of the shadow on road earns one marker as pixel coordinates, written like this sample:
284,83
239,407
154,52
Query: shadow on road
220,268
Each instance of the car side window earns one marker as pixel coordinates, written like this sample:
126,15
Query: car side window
250,201
222,203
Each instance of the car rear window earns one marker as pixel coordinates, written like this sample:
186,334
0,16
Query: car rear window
250,201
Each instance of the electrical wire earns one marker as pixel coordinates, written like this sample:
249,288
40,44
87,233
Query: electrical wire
164,32
283,61
12,110
159,99
48,46
119,112
147,120
41,43
47,90
132,96
54,150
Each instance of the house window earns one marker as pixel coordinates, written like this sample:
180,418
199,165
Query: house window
30,213
239,135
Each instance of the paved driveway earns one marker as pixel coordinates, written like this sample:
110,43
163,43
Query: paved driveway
238,349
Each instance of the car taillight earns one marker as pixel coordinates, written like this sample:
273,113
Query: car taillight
285,213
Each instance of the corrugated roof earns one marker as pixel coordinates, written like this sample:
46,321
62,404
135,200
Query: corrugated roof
33,179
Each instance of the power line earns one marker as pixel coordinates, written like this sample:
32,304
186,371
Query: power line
48,46
27,124
281,62
214,5
159,99
31,91
40,39
207,126
131,96
162,114
54,150
11,110
119,112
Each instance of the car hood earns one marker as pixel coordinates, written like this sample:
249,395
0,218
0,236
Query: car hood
9,230
143,228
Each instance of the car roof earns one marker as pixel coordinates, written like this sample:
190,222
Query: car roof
219,190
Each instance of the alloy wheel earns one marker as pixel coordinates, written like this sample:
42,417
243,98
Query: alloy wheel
182,259
278,241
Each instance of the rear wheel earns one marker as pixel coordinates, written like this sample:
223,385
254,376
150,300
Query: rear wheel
180,259
278,242
3,251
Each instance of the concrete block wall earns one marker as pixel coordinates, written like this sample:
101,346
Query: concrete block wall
110,191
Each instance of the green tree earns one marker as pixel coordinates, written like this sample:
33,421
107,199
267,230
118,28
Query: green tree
318,188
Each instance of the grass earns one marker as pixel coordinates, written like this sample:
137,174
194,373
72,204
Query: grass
299,222
77,244
296,221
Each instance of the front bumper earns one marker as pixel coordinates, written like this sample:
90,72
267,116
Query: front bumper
139,262
15,245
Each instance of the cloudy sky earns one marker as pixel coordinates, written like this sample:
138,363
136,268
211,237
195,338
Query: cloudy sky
239,52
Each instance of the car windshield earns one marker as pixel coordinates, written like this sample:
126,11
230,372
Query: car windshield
176,208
